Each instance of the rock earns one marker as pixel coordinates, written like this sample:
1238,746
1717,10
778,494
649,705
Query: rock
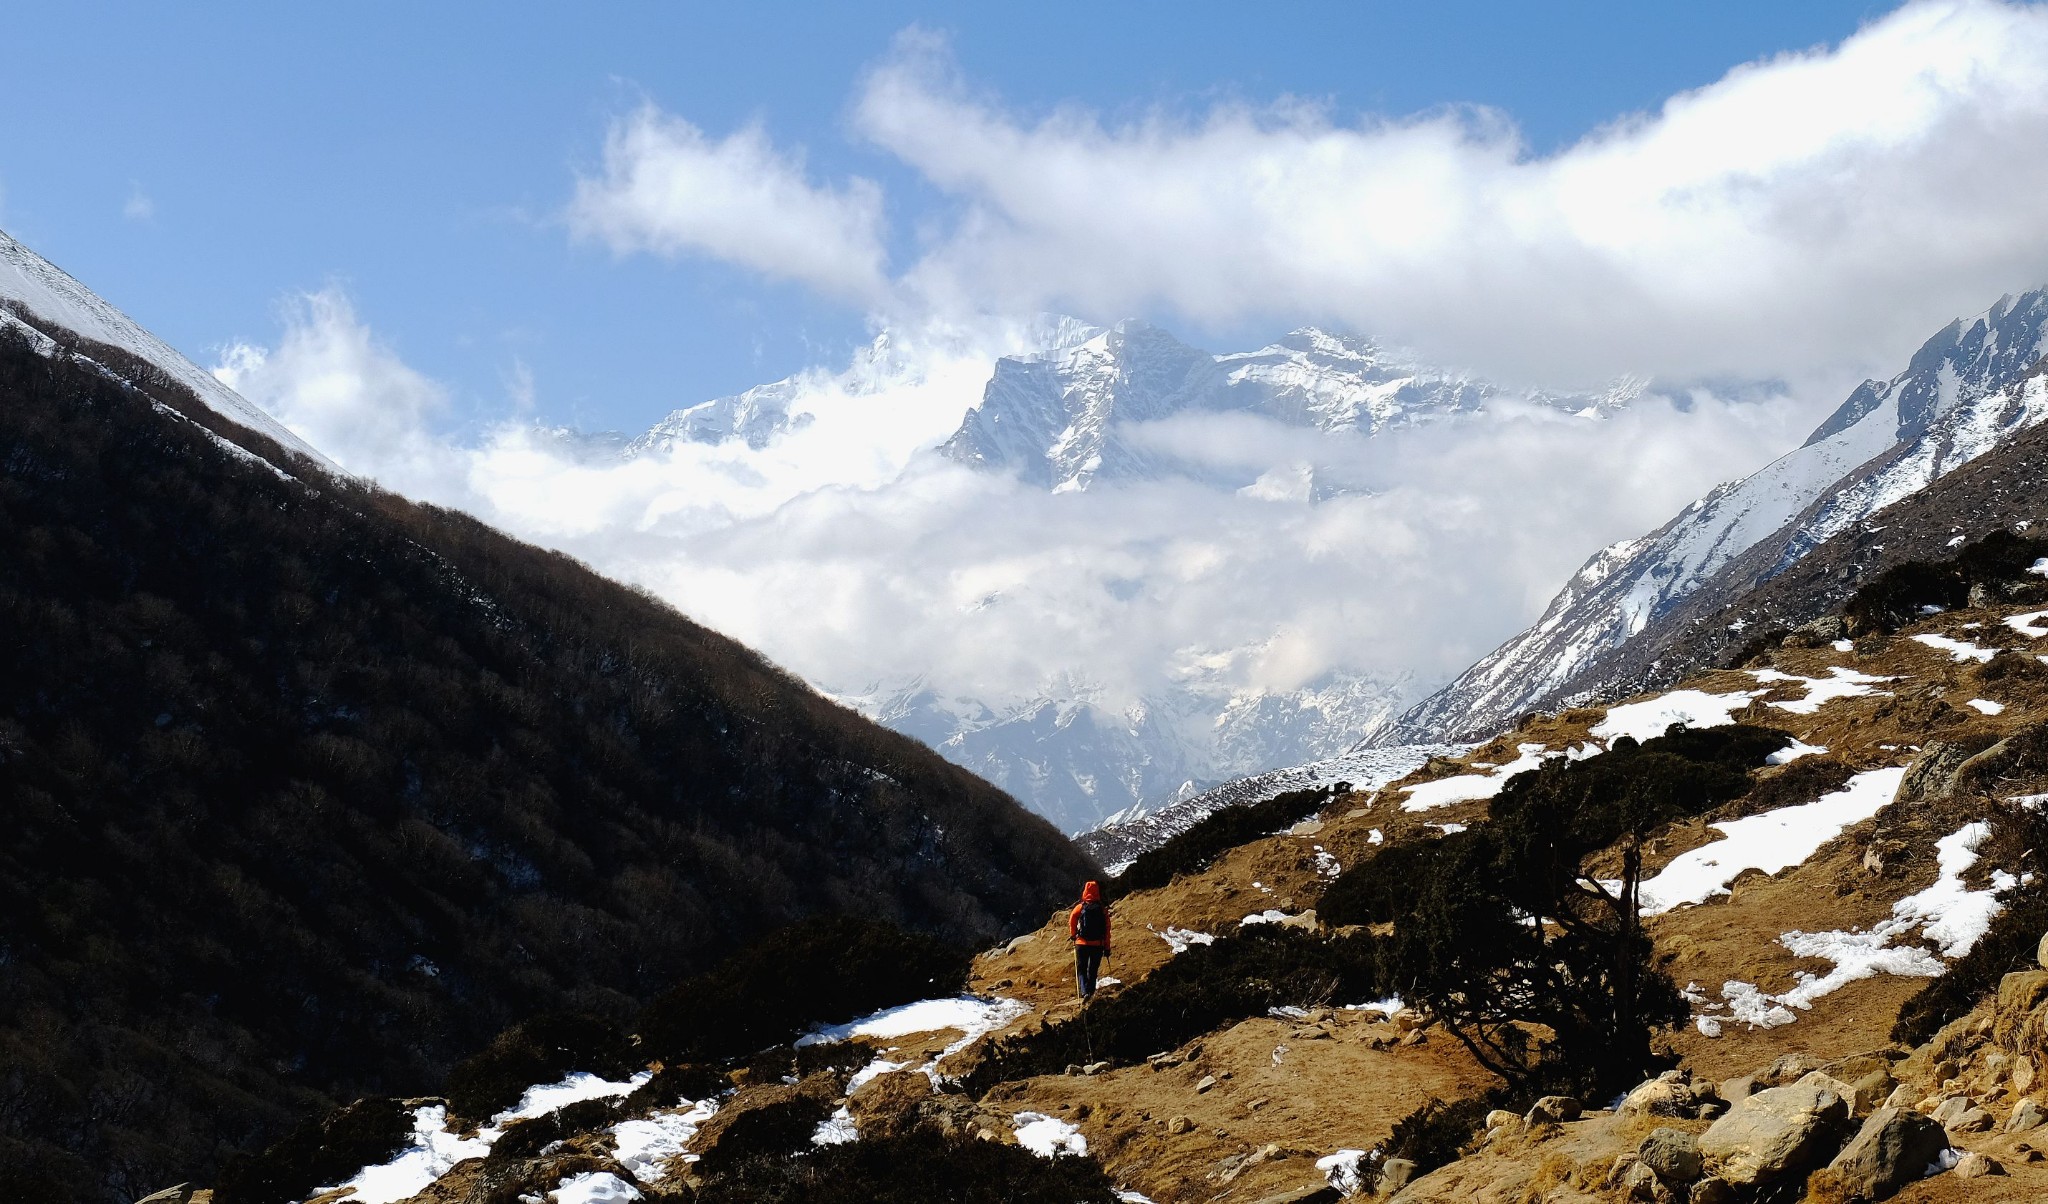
1094,1068
1179,1125
1313,1193
1711,1191
1257,1104
1673,1153
1641,1183
2020,1016
1207,1081
181,1194
1976,1166
1776,1132
888,1103
2027,1115
1901,1097
2022,1074
1869,1093
1737,1089
1789,1068
1892,1149
2041,952
1672,1093
1951,1110
1501,1122
1395,1174
1553,1110
1976,1120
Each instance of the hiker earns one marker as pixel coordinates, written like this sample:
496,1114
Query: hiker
1088,924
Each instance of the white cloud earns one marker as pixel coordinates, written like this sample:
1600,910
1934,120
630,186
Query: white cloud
1821,210
669,190
138,207
851,555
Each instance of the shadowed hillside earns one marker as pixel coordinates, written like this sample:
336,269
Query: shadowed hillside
311,790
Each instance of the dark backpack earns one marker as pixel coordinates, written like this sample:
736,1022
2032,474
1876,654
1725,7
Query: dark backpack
1094,922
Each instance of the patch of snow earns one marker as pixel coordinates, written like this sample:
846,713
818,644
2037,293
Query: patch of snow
1708,1026
1840,683
1793,751
1449,829
433,1152
2039,568
870,1072
964,1013
1647,720
1961,650
595,1187
1842,646
1326,863
1268,916
1387,1006
1342,1171
1986,706
836,1129
646,1146
1947,913
553,1097
1376,837
1178,939
1471,787
1126,1196
1048,1136
2028,624
1771,842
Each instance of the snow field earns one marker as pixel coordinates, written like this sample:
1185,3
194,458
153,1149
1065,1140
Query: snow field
2028,624
1961,650
1472,786
1771,842
1647,720
594,1187
1841,682
1048,1136
434,1150
645,1146
1948,914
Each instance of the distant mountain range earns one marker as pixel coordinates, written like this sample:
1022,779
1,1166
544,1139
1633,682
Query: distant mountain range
1084,412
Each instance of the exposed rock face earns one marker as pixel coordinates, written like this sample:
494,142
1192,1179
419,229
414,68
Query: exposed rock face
1894,1148
1673,1154
1776,1132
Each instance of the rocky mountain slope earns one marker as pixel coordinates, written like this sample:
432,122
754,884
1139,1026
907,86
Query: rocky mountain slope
1850,936
310,789
1961,397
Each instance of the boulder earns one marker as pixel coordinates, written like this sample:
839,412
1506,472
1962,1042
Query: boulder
1553,1110
887,1104
1893,1148
1179,1125
2026,1116
1789,1068
1976,1166
1777,1132
1673,1093
2019,1020
2041,952
1395,1174
1207,1081
1673,1153
1711,1191
1738,1088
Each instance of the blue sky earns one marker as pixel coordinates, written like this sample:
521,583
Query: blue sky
197,164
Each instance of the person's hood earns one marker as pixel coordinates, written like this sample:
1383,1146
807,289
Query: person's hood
1091,893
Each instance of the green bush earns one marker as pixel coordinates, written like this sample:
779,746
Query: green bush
821,971
1204,989
1194,850
916,1167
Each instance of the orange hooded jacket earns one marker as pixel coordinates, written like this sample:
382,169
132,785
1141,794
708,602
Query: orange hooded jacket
1091,893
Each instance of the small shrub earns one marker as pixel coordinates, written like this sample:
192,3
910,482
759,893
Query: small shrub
673,1084
541,1050
1802,781
527,1138
1204,989
1434,1134
821,971
775,1130
1998,562
916,1167
1195,849
319,1153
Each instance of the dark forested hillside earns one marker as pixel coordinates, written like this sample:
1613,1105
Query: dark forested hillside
310,790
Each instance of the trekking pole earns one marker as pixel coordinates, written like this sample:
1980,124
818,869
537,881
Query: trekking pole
1086,1036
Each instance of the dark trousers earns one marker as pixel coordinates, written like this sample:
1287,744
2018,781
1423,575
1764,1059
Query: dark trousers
1087,965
